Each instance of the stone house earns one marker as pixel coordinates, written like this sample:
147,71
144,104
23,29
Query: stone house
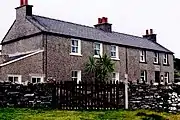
38,48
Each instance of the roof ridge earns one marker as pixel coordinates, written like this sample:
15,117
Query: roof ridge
129,35
66,21
87,26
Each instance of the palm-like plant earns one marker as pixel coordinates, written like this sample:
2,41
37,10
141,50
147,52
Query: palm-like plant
101,67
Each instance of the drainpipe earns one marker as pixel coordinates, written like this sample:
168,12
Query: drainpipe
126,82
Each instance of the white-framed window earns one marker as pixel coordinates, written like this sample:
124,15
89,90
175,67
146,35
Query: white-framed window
114,52
37,79
142,56
115,76
143,77
156,57
75,47
15,79
98,49
165,59
166,77
76,75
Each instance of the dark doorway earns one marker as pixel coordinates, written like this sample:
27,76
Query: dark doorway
157,76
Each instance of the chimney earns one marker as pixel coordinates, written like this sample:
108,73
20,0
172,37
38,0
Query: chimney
150,35
103,24
23,10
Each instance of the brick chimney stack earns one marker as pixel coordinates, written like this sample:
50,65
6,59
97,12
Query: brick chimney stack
23,10
150,35
103,24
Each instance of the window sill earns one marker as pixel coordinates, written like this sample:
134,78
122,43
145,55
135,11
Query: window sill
161,83
156,63
96,56
76,54
117,59
142,62
155,83
166,65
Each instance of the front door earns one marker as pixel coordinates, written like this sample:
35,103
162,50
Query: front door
157,76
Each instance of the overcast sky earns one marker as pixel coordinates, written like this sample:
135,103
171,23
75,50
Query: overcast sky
127,16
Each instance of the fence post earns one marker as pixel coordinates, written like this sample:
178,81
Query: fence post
54,99
126,91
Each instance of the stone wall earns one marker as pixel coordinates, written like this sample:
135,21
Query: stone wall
159,97
13,95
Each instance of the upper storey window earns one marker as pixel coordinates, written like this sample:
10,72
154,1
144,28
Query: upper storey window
165,59
75,47
114,52
98,49
142,56
156,57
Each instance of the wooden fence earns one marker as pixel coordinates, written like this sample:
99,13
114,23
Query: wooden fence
89,95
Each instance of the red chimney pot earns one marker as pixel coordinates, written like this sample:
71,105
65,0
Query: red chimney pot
23,2
104,20
151,31
99,20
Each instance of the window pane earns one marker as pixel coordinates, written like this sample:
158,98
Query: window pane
74,73
74,42
113,48
15,79
10,79
114,76
142,73
33,80
113,54
155,60
38,80
97,46
74,49
142,53
165,61
96,52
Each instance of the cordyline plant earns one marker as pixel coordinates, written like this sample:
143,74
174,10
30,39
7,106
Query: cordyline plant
100,67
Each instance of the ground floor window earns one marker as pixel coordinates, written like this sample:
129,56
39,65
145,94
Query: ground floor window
76,75
143,77
37,79
166,77
115,76
15,78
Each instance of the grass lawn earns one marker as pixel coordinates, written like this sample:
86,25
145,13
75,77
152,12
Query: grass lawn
29,114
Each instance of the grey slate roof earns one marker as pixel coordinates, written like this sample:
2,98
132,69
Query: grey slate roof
81,31
15,57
